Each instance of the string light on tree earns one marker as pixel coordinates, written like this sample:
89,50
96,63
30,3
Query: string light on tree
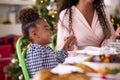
53,16
52,0
55,12
14,60
20,77
48,7
41,1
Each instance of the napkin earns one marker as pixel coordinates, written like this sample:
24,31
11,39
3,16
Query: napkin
64,69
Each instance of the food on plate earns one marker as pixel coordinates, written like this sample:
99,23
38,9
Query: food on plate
107,58
85,68
114,71
103,70
43,75
107,70
77,76
104,63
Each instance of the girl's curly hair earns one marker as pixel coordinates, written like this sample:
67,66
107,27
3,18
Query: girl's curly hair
27,15
28,18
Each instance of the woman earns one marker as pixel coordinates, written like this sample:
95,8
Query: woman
87,20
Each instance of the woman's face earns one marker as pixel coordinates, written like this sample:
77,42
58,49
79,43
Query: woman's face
44,33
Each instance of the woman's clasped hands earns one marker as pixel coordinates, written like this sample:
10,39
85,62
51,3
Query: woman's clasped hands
69,43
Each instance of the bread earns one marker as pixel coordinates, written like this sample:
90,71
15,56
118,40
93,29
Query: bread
47,75
43,75
86,68
78,76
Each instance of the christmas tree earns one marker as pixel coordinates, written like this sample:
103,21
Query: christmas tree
115,21
47,10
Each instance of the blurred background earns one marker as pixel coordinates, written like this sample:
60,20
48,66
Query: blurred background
10,29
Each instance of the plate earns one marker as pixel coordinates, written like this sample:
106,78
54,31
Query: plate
92,48
90,51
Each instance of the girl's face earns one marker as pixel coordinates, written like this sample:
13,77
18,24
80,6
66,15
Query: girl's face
43,33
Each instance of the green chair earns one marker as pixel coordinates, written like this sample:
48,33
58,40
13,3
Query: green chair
21,49
21,52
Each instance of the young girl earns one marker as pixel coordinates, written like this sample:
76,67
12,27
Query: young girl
39,55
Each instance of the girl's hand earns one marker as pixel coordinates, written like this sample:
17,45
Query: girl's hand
69,43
